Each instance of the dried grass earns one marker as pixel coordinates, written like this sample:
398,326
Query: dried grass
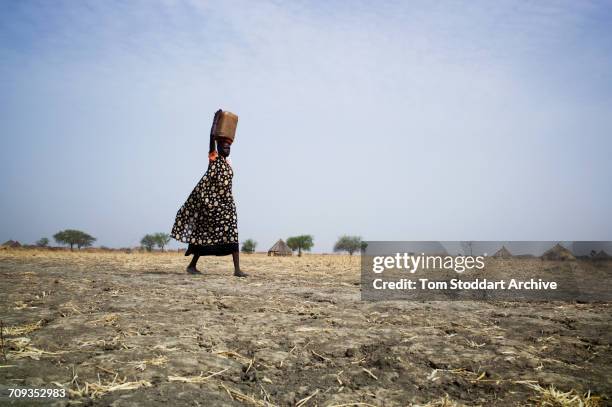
19,305
357,403
164,348
96,390
92,343
552,397
441,402
195,379
372,375
243,398
157,361
103,342
232,393
20,348
319,356
232,354
70,305
473,344
110,319
305,400
479,377
24,329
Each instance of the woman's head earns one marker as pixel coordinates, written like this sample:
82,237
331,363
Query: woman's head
223,146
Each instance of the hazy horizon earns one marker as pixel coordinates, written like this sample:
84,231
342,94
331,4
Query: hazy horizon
419,121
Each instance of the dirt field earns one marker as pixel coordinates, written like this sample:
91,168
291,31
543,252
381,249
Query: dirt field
134,329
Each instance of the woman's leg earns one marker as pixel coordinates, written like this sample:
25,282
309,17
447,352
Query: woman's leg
191,268
236,258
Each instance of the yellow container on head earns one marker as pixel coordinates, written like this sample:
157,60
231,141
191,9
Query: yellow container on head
226,125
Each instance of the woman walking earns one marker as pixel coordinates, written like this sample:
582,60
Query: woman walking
207,221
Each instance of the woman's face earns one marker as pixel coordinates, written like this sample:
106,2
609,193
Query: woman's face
223,147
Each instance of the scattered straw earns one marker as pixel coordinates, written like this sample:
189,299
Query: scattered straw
265,393
250,366
243,398
106,370
442,402
164,348
232,354
552,397
19,305
474,377
20,348
243,359
305,399
370,373
42,295
23,329
92,343
473,344
142,364
95,390
338,378
110,319
229,393
323,358
71,306
195,379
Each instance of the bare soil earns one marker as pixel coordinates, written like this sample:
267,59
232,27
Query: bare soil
294,333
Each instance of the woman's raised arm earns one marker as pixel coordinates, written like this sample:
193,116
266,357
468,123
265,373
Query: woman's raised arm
213,146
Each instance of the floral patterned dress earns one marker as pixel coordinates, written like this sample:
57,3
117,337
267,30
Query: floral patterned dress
208,219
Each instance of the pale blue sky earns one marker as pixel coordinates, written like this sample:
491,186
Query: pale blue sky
394,120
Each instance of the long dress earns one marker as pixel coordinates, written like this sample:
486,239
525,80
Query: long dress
208,219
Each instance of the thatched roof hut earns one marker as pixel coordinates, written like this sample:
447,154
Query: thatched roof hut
602,255
558,252
503,253
11,243
280,248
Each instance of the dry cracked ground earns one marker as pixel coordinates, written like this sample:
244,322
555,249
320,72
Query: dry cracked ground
120,329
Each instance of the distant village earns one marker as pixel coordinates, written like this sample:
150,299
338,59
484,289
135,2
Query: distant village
73,239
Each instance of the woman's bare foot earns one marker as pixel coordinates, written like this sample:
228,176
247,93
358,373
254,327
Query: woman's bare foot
239,273
193,270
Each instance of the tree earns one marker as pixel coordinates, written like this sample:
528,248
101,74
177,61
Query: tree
42,242
299,243
248,246
148,242
161,240
348,244
74,237
85,240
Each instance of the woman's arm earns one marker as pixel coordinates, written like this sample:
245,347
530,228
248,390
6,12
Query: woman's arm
213,146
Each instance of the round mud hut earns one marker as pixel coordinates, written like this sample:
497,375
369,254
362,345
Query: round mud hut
602,255
558,253
11,243
503,253
280,248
